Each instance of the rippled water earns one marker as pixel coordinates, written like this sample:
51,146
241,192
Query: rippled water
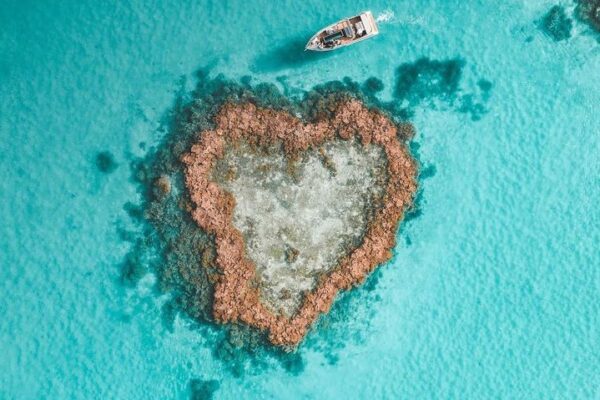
494,287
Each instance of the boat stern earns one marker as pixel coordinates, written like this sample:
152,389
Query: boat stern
369,23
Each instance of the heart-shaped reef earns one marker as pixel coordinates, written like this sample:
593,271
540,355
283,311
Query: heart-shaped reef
298,211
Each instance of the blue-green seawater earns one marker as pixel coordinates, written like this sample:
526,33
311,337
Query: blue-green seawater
494,289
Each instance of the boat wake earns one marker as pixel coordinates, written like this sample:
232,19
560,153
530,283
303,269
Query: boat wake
386,16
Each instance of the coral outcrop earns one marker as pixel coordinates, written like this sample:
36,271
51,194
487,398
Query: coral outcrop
236,295
589,12
557,24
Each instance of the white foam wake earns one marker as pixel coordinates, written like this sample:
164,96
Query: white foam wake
388,17
385,16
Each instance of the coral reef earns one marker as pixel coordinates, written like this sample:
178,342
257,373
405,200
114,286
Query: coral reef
589,12
557,24
165,240
236,295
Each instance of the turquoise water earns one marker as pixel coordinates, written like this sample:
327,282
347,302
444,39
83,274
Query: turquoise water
493,291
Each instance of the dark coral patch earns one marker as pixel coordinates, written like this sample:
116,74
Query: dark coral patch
428,172
373,85
468,104
589,12
203,389
556,24
105,162
437,83
426,79
294,364
135,212
135,264
484,85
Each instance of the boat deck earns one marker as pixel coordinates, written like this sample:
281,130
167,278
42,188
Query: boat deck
344,32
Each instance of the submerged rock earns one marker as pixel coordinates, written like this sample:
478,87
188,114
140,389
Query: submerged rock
292,227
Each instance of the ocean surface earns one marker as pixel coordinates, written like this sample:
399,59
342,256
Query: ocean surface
494,288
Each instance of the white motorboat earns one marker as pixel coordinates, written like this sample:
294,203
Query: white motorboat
344,33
